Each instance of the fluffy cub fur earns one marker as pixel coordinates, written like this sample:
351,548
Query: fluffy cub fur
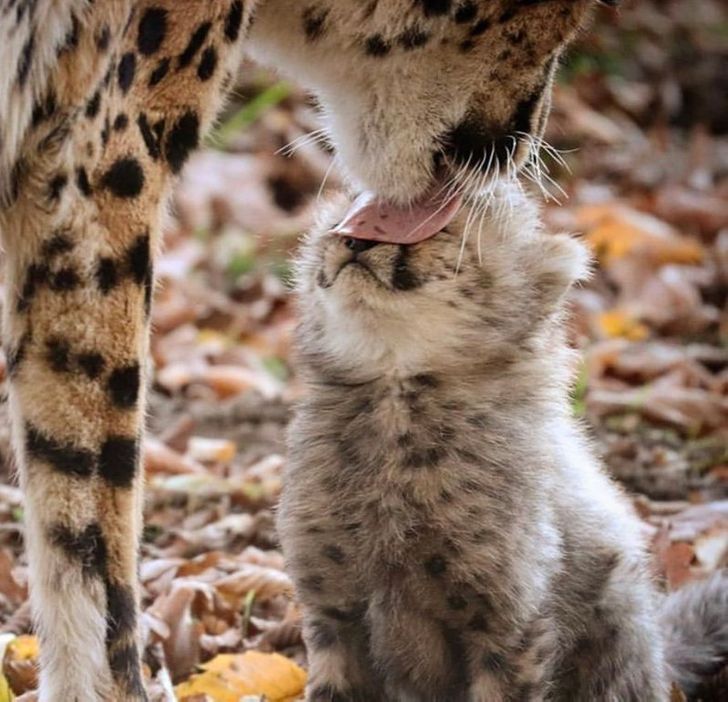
451,535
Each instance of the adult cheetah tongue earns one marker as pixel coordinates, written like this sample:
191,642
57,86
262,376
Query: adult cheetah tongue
376,220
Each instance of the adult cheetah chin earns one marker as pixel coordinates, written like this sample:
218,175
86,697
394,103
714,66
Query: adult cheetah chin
100,105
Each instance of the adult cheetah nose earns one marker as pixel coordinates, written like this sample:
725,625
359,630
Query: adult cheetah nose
357,246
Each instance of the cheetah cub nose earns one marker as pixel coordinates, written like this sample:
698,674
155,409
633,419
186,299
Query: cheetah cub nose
358,245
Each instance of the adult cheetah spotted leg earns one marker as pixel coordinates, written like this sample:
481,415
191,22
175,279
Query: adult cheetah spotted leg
131,92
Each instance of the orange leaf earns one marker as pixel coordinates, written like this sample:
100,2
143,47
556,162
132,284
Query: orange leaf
615,231
20,664
617,323
228,677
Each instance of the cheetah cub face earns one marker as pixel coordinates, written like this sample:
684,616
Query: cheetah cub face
371,308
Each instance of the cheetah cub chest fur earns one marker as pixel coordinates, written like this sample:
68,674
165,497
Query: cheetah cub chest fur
449,533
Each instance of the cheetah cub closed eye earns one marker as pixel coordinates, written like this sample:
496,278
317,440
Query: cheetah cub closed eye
449,532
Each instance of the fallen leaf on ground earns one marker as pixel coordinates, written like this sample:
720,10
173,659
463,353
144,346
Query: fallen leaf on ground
20,664
228,677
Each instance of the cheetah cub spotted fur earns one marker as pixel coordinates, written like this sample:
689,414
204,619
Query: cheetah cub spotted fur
450,533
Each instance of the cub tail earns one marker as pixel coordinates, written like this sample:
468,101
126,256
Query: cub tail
695,622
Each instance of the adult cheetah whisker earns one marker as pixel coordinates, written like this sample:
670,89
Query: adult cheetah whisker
317,136
473,178
485,205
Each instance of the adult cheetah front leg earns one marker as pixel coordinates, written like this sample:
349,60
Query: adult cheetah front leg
133,89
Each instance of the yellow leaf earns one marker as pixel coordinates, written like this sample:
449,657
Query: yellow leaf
24,648
228,677
615,231
6,694
20,666
617,323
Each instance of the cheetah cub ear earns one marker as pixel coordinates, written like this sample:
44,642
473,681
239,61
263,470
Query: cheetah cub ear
561,261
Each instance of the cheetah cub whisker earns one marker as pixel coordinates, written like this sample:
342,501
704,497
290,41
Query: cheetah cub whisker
450,532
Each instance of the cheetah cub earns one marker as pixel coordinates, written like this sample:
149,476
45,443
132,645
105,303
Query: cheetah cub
450,534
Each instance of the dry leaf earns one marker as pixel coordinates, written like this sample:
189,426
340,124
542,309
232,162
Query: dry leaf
618,323
228,677
20,664
615,231
208,450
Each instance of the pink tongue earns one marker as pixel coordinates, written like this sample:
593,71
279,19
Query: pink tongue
376,220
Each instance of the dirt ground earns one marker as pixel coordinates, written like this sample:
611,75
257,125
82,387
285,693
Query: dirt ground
640,128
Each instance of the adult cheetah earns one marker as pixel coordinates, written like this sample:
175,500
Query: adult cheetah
101,102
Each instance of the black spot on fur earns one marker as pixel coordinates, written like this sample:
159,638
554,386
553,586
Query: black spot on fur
120,612
426,380
15,355
93,105
402,277
413,38
120,627
208,63
71,40
43,109
333,553
107,276
507,15
435,565
466,12
36,276
160,70
59,243
25,60
105,131
478,622
375,45
123,386
182,138
118,461
150,139
62,457
479,28
152,30
121,122
58,355
64,280
457,602
91,364
234,20
87,547
82,182
194,44
495,663
314,22
124,665
428,457
17,176
104,38
148,290
125,178
56,186
435,7
138,259
125,71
